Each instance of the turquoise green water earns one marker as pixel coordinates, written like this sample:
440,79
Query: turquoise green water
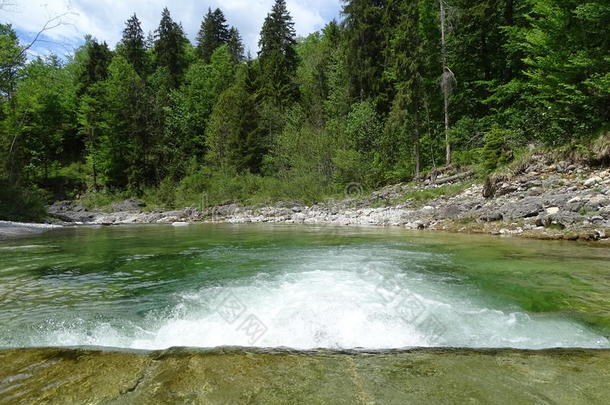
153,287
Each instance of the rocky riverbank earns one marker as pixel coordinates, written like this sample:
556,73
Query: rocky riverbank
538,199
248,376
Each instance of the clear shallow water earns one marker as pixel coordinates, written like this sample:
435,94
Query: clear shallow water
154,287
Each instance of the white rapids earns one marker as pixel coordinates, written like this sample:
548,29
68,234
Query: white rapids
329,304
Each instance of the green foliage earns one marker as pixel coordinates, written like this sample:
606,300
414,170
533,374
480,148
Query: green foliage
231,133
278,57
213,34
100,199
166,193
566,73
133,46
219,187
95,66
170,48
192,106
43,120
235,46
421,197
358,101
12,58
366,31
302,151
18,203
496,152
124,144
363,127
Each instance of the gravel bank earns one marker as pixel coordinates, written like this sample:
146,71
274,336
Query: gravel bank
541,199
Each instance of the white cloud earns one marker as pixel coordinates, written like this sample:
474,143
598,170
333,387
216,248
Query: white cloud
104,19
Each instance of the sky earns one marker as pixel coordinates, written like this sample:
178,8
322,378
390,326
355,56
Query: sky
105,19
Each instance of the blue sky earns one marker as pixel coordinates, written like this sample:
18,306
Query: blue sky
104,19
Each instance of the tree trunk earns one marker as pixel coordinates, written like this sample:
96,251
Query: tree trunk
445,85
417,146
93,163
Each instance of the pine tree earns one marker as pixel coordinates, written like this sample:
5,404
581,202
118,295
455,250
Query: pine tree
236,46
91,102
278,57
366,41
409,70
170,47
98,58
214,33
231,134
134,45
567,64
125,144
192,105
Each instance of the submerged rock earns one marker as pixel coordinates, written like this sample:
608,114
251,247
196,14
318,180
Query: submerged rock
240,376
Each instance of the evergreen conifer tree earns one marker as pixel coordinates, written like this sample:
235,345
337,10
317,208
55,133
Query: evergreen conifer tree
213,34
134,45
278,57
170,47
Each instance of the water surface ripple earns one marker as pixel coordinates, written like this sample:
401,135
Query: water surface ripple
154,287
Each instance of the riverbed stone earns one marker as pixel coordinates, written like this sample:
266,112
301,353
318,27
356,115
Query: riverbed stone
491,216
526,208
236,376
592,181
552,210
567,218
518,196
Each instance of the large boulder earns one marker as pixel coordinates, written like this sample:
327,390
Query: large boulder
69,211
525,208
562,219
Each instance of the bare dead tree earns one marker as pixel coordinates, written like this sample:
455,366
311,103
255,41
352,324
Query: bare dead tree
448,79
51,24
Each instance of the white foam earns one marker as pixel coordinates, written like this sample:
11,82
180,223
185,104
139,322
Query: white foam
336,309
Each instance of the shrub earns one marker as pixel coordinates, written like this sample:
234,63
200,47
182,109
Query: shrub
601,149
22,203
102,199
496,151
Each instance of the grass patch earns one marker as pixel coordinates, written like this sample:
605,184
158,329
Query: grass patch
102,200
420,197
465,221
206,188
555,227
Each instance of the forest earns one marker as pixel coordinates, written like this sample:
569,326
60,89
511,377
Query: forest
393,90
